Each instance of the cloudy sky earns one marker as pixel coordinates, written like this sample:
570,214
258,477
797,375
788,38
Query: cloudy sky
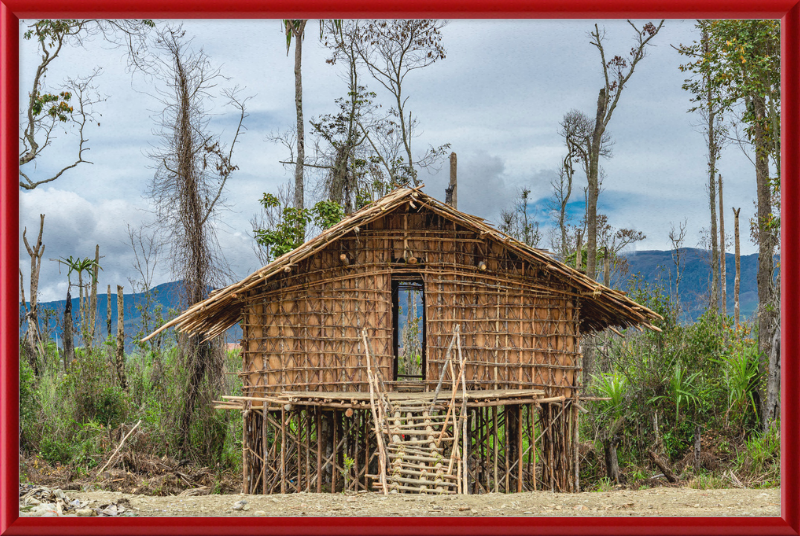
497,98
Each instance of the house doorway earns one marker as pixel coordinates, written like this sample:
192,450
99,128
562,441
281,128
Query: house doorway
408,312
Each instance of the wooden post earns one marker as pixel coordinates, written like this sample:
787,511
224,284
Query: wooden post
120,354
508,445
264,447
494,443
318,414
465,440
308,449
576,445
245,457
532,454
454,180
283,450
378,427
520,450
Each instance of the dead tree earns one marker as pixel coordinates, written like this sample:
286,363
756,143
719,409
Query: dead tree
390,50
108,312
93,300
616,73
33,338
737,260
192,169
120,353
722,271
69,345
453,181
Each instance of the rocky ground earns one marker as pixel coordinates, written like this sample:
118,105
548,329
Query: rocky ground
658,501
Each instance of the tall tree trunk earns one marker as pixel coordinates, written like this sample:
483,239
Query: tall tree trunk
723,275
82,308
712,180
610,442
69,345
766,314
773,406
712,203
120,353
298,104
93,299
737,261
33,337
593,179
108,311
606,268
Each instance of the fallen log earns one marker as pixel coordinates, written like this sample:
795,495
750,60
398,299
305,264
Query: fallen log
663,466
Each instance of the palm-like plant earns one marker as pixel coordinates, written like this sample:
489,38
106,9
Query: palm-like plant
79,265
741,377
684,389
612,386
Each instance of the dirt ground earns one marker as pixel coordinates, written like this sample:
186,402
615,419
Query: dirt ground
648,502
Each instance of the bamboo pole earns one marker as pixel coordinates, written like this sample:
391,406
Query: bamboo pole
318,415
378,425
283,450
494,443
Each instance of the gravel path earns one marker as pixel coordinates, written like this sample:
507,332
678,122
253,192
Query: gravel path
649,502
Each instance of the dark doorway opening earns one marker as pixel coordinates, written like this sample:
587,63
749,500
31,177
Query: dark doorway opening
408,312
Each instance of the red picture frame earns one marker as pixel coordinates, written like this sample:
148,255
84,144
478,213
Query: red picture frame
11,11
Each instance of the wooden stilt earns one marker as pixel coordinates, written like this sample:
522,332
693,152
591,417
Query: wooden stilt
264,448
318,415
283,451
495,438
520,450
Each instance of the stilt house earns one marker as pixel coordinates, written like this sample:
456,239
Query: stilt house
350,385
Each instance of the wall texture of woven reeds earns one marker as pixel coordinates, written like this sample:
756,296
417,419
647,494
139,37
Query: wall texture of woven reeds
519,323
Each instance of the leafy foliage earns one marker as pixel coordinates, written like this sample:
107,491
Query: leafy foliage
289,231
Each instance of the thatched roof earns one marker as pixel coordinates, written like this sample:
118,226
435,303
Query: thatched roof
601,307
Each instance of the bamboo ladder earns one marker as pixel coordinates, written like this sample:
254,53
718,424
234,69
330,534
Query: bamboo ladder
417,436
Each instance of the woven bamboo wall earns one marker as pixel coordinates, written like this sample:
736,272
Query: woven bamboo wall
519,325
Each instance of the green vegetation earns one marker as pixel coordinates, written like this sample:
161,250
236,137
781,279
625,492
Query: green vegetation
688,385
77,418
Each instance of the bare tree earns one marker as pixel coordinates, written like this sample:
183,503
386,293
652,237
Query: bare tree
192,168
616,73
120,350
33,338
93,299
613,241
577,130
146,252
72,104
390,50
677,237
516,222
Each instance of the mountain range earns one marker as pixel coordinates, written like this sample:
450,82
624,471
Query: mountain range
654,267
